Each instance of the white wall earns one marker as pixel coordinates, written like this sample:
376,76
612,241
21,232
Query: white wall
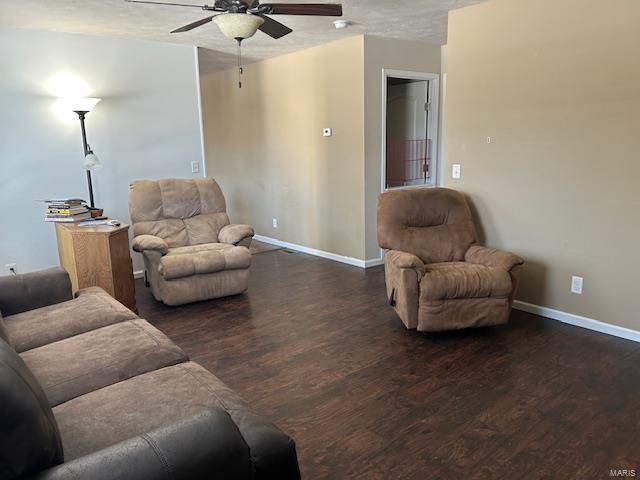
147,126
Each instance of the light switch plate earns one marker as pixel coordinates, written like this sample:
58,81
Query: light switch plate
195,167
576,285
455,170
327,132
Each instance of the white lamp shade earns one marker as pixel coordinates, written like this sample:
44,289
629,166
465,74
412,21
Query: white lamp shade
82,104
238,25
92,162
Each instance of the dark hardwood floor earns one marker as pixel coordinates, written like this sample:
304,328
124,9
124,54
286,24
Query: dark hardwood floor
314,346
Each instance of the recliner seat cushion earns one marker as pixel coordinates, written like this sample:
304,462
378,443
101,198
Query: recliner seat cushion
92,308
451,280
84,363
200,259
29,439
205,247
146,402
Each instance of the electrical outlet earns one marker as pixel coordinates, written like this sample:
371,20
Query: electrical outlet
275,223
576,285
455,170
195,167
11,268
489,139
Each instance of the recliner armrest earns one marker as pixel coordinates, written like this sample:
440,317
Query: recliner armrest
28,291
234,234
150,242
406,260
207,445
490,257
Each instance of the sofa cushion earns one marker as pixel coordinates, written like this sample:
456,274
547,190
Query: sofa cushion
28,291
92,308
84,363
29,436
4,333
132,407
192,260
463,280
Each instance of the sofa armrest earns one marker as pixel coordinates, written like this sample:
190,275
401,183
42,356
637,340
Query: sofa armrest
398,259
150,242
28,291
208,445
490,257
234,234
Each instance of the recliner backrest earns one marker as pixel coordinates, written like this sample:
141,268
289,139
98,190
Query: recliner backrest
29,436
181,211
434,224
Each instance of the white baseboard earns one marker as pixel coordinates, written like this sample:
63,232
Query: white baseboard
564,317
374,262
356,262
578,321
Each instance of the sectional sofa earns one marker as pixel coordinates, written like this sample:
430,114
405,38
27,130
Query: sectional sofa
90,391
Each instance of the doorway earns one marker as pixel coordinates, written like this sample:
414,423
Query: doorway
410,112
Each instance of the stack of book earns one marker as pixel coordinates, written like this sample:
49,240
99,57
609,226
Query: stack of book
69,210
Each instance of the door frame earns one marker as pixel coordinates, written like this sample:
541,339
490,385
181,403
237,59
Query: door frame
434,100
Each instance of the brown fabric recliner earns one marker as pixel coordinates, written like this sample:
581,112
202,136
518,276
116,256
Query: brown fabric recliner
437,278
191,252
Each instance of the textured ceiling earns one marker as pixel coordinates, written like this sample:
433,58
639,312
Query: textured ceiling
423,20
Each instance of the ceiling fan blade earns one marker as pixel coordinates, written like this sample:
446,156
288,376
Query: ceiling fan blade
273,28
193,25
202,7
323,9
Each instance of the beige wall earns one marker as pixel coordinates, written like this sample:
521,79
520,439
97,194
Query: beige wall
556,83
264,145
393,54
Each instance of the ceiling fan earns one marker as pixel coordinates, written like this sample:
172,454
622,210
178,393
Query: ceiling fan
254,16
240,19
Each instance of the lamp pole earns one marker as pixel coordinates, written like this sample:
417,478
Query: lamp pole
87,150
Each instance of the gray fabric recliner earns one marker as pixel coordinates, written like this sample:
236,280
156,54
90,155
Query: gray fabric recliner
191,251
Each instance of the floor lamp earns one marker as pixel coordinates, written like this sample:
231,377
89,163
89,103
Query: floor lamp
81,107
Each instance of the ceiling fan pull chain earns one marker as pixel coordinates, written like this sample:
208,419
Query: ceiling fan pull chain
240,69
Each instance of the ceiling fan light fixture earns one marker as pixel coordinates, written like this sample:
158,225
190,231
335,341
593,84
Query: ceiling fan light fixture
238,25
